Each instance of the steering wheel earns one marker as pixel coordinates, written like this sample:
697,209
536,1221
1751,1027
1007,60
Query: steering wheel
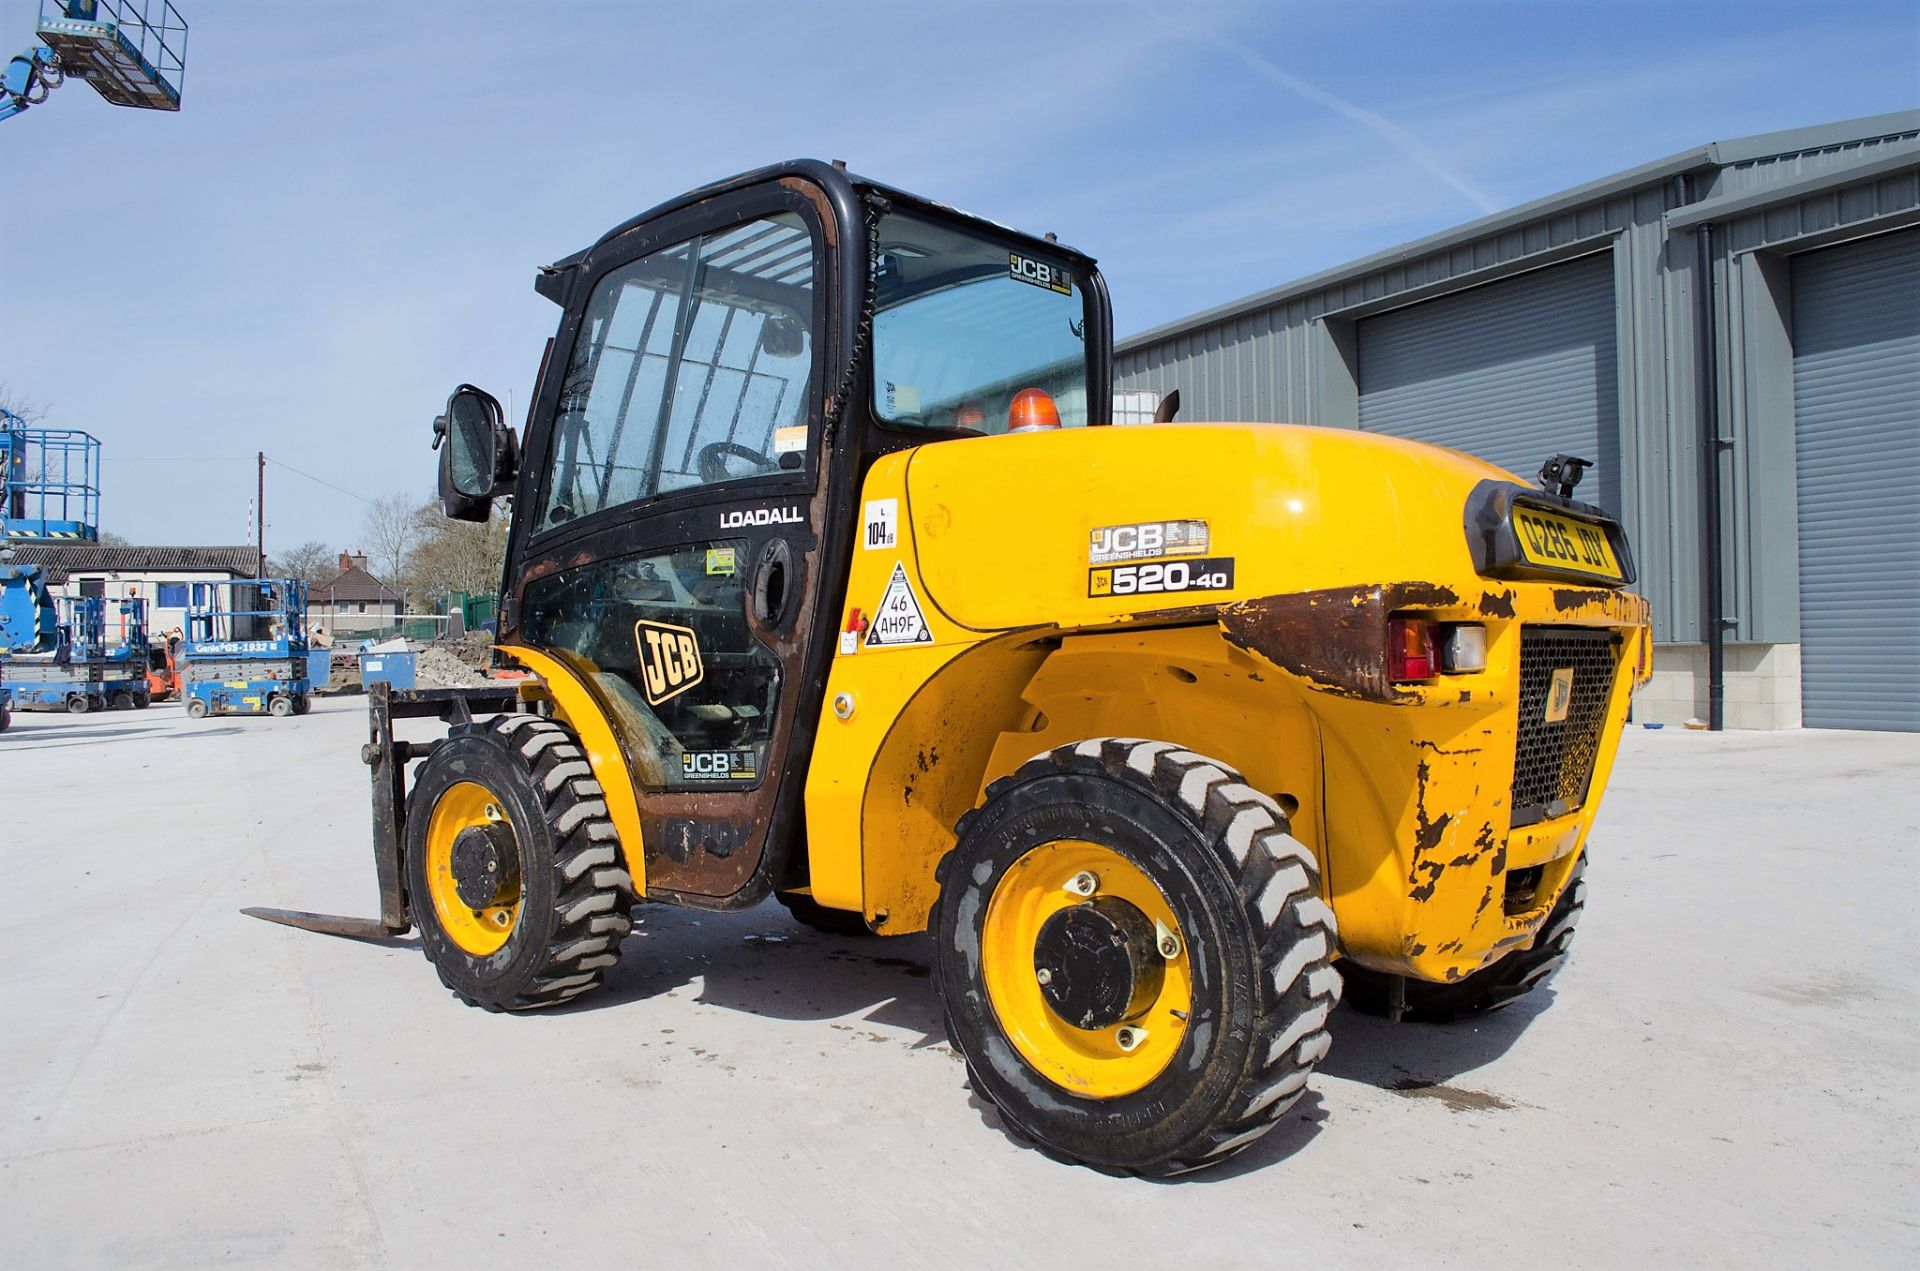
713,458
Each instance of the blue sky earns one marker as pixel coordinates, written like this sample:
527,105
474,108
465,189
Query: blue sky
344,220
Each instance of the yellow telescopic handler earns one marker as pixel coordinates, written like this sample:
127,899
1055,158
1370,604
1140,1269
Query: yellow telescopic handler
835,584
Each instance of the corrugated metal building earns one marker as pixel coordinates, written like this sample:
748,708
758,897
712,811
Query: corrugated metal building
1770,285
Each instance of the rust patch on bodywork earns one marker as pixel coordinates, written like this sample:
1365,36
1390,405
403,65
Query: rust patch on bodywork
1497,604
1570,599
1337,638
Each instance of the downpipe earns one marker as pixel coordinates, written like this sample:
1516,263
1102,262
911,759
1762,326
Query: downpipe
1712,446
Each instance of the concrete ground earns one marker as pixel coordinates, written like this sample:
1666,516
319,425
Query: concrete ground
1724,1075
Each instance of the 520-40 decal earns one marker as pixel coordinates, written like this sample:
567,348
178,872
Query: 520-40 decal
1209,573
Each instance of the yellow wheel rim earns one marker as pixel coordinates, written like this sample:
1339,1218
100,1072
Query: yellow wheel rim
480,932
1091,1062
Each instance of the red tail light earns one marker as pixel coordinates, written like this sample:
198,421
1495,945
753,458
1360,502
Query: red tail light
1410,650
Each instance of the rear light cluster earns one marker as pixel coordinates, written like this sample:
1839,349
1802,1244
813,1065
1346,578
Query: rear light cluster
1420,649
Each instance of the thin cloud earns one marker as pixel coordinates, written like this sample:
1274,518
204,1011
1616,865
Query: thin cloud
1393,134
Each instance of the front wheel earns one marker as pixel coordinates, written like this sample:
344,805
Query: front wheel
1488,989
196,708
280,707
77,704
513,867
1134,957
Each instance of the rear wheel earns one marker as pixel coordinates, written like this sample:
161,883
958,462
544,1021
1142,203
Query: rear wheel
142,698
1488,989
809,912
1133,956
77,704
123,701
302,704
513,867
280,706
196,708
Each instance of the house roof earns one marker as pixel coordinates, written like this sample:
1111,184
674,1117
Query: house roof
62,561
353,584
1711,156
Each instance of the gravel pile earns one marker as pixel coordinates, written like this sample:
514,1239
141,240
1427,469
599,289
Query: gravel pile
438,667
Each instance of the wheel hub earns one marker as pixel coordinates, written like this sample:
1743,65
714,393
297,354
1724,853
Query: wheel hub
1098,963
486,868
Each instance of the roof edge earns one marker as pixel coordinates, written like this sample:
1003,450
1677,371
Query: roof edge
1715,154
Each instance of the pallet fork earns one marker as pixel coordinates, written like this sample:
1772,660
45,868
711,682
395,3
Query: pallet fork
387,760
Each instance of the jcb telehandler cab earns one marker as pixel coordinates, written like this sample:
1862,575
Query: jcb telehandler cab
835,584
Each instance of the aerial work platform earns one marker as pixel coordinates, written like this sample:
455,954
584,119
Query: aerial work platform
133,52
49,484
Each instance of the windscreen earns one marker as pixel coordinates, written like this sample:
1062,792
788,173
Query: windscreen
965,322
691,368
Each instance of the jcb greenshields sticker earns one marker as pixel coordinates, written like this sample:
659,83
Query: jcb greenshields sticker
669,659
1039,273
723,561
718,765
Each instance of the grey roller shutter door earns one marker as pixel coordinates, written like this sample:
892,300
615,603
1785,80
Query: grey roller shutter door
1856,392
1512,371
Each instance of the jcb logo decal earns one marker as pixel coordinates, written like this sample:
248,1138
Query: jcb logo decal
1559,696
669,659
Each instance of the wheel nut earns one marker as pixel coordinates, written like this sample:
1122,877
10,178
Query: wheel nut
1129,1039
1084,883
1043,975
1166,941
492,812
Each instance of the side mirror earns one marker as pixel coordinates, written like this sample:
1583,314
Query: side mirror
480,456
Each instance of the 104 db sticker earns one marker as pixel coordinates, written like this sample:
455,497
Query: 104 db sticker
1153,578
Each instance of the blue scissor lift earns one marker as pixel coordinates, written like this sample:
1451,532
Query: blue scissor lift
49,483
133,52
246,649
72,674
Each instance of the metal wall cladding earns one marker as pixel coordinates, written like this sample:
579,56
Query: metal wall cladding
1512,372
1856,384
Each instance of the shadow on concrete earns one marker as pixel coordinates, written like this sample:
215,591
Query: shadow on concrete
80,736
1409,1057
760,961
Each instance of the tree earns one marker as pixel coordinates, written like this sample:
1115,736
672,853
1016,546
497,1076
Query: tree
390,530
450,555
29,411
312,562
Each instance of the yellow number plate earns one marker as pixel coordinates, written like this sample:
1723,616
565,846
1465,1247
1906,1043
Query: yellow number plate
1560,542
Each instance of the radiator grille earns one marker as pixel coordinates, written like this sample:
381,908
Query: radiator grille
1553,760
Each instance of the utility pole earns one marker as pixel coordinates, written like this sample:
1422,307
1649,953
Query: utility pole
260,520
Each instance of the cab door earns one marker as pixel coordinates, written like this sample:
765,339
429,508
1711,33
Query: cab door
667,549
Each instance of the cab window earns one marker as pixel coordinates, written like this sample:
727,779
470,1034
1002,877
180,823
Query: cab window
964,324
691,367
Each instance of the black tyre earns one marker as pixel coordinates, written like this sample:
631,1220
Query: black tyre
1488,989
6,717
78,704
513,869
196,708
280,706
122,701
809,912
302,704
142,699
1165,1018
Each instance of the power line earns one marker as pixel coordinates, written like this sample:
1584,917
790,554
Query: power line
317,481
